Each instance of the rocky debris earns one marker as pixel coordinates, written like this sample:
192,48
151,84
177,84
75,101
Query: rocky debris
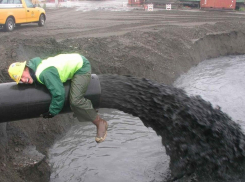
29,157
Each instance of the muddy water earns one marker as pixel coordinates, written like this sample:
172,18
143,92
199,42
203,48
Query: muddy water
202,142
220,81
132,152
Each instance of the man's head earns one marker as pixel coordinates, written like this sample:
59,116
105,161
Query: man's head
20,72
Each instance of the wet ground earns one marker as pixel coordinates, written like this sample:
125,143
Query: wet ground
85,6
159,45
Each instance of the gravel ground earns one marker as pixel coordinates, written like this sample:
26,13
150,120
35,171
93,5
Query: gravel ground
159,45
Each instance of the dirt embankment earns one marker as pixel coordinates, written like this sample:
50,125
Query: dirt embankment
159,45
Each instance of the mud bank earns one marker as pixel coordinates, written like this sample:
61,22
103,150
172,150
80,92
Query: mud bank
159,46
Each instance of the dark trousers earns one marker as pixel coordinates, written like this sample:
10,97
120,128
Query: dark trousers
82,107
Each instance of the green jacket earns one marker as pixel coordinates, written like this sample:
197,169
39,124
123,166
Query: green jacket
52,78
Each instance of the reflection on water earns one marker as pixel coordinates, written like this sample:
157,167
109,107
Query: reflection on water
221,82
131,152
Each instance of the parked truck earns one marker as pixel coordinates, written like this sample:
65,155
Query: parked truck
16,12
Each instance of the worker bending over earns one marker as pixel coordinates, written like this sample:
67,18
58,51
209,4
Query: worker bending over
53,72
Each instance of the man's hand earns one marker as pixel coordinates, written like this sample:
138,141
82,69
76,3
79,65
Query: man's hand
47,115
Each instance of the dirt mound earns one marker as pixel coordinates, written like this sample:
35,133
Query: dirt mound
159,45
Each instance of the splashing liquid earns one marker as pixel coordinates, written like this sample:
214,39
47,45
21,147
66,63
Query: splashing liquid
198,138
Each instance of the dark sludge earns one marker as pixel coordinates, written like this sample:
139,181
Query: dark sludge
199,139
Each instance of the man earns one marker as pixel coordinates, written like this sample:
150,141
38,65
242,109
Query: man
53,72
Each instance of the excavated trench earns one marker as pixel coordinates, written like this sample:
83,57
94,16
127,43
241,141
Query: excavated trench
202,142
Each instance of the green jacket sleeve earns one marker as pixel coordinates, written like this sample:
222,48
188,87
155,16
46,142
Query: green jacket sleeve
50,78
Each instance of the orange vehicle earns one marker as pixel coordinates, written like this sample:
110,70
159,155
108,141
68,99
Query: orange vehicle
17,12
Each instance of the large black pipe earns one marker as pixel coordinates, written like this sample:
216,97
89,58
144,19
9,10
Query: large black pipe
24,101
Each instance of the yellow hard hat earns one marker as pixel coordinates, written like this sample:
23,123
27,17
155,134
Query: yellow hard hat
16,70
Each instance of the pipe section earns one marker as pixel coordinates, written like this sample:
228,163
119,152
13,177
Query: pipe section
24,101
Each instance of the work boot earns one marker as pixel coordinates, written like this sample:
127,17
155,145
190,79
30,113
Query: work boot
102,126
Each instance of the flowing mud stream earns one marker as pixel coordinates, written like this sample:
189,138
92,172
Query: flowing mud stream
203,143
221,82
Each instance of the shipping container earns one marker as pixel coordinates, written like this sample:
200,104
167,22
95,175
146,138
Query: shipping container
187,1
239,3
218,4
136,2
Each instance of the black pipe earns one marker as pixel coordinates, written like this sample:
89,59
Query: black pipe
25,101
